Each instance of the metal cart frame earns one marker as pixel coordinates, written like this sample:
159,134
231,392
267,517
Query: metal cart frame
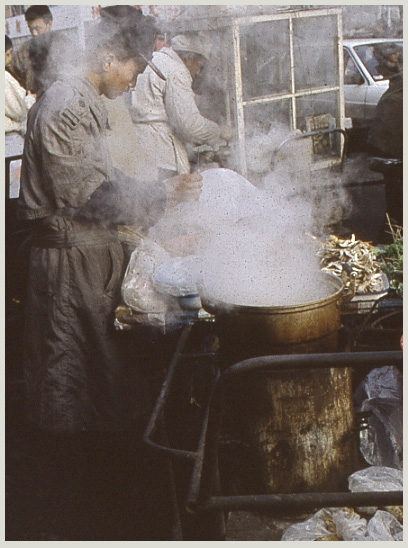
204,494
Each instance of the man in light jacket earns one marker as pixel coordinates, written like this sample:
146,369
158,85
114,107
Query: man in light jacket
17,102
165,112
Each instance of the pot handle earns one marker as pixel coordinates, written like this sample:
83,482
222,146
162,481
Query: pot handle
347,295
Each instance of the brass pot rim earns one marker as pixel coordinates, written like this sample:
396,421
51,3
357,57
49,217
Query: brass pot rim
216,306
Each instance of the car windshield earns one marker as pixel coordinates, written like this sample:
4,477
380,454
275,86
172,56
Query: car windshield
382,60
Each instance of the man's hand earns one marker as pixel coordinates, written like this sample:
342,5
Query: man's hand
227,133
183,188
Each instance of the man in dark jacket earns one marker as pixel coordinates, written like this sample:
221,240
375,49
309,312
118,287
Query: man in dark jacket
76,379
386,129
385,140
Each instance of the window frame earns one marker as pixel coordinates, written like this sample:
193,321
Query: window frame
292,95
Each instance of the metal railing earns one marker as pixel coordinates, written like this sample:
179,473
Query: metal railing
204,492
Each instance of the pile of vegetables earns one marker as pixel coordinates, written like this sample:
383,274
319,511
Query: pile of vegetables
391,260
362,265
354,261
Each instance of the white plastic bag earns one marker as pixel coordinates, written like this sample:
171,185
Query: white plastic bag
345,524
342,523
138,291
177,276
349,525
376,478
384,526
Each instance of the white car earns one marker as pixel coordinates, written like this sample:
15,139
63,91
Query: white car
367,67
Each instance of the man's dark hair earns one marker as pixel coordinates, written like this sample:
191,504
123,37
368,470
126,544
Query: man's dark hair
44,72
124,37
121,14
188,54
38,12
9,43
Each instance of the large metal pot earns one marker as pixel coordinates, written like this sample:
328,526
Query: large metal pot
300,421
256,330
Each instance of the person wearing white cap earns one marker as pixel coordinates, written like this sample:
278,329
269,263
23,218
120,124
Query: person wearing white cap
164,110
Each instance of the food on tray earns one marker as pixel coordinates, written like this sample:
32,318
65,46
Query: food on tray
355,262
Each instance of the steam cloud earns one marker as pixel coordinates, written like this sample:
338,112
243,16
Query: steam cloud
254,245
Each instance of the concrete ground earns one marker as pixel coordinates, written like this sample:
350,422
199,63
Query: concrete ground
246,526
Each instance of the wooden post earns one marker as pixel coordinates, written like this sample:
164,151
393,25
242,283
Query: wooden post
301,427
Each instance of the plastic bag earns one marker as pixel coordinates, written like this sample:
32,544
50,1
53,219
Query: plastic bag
345,524
384,526
327,524
349,525
176,276
382,382
138,291
377,478
380,397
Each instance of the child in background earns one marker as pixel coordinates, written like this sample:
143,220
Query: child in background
17,101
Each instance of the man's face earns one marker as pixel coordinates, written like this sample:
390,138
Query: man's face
8,56
39,26
119,76
194,64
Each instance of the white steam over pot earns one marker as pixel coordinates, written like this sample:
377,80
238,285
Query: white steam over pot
252,245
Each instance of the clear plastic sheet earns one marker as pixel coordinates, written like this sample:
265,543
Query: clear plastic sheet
384,526
377,478
176,277
328,523
345,524
138,291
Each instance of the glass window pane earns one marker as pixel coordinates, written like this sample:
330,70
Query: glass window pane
352,75
319,112
266,127
315,52
265,61
382,60
315,105
263,117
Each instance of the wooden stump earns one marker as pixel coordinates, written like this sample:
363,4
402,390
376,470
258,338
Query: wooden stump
301,426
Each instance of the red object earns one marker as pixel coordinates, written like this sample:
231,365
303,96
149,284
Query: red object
160,43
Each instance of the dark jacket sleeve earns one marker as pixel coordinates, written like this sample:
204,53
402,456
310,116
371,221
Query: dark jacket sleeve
385,136
125,201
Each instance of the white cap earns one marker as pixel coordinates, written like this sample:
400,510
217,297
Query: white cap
190,43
